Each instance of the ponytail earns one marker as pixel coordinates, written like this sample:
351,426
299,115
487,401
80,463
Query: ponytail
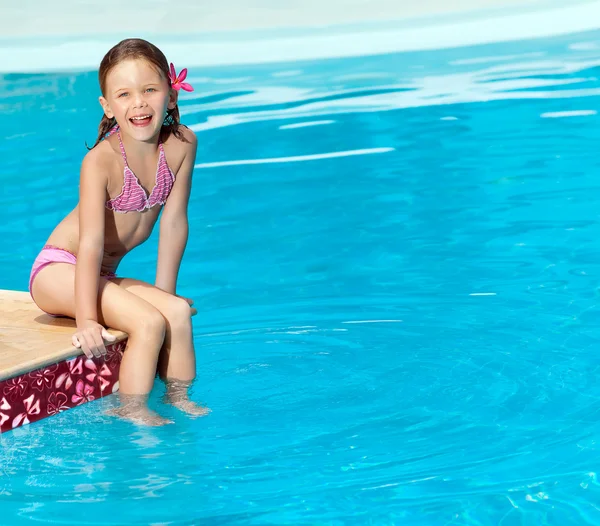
171,125
105,126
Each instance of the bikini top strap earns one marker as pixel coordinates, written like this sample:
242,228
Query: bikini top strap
162,158
160,146
122,148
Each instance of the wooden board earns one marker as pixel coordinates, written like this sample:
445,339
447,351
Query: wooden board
30,339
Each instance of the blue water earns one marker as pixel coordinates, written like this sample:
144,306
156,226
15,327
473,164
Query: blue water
406,335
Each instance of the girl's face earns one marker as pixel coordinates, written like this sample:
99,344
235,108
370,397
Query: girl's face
138,96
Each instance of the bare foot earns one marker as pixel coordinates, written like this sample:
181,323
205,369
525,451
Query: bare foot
178,396
189,407
135,409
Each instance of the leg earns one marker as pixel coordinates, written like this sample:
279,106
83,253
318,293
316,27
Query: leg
54,291
177,358
177,361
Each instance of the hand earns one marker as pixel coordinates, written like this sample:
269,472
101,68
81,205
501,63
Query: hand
190,303
90,337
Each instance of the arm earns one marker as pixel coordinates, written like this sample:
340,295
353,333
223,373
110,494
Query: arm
92,194
174,221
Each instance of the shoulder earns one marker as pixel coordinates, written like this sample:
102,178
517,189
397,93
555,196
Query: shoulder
184,141
188,134
99,161
188,140
181,151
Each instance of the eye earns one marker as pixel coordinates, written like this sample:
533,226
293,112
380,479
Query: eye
150,89
124,93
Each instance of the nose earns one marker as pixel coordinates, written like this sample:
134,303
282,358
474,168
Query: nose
139,101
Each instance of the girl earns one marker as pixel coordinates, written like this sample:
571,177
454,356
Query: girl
143,159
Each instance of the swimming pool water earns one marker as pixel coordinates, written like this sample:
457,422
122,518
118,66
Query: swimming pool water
395,263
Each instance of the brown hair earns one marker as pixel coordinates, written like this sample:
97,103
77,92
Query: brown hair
136,48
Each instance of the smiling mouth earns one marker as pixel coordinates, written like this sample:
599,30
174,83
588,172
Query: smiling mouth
141,121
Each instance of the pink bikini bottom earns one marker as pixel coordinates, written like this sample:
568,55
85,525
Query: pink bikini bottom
52,254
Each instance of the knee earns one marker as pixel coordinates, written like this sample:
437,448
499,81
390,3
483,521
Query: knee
151,324
177,313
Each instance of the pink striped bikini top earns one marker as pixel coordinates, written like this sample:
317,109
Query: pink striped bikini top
133,197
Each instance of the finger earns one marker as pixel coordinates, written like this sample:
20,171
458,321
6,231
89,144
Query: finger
99,343
96,351
85,347
189,301
75,342
88,346
89,338
108,336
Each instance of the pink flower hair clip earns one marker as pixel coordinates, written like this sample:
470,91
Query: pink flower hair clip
177,80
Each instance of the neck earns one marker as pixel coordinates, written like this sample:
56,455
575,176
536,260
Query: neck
140,149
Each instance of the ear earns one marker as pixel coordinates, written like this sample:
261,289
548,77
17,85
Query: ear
173,95
107,111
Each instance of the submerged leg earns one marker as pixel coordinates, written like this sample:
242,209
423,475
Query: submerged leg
134,408
178,395
177,359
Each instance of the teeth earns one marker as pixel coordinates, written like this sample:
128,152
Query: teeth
140,118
